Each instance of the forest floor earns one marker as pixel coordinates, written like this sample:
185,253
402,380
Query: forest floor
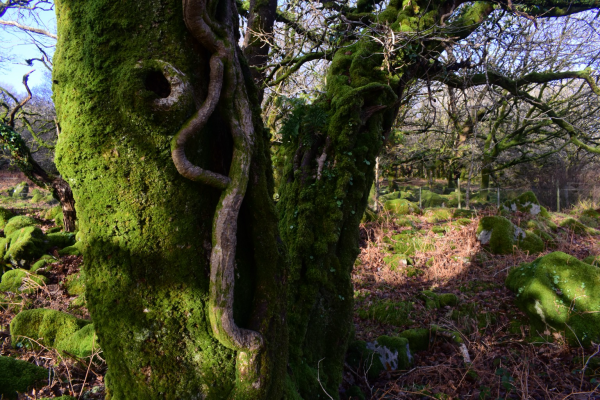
502,361
505,360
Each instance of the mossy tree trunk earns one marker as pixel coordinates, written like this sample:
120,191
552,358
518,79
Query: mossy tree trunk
127,77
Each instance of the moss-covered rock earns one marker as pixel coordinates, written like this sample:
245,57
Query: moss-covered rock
18,376
74,250
590,218
12,281
592,260
499,233
531,243
60,240
36,196
42,262
5,216
358,356
400,207
527,202
24,246
54,329
417,338
21,190
435,215
462,213
559,290
18,222
430,199
393,351
75,284
395,313
577,227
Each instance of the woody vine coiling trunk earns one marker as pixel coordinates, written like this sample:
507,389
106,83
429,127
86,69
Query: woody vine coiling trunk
224,62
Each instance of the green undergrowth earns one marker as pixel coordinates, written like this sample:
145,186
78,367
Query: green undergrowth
395,313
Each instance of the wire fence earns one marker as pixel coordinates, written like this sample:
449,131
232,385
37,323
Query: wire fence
556,198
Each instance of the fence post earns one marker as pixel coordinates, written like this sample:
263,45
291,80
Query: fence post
458,188
557,198
498,197
420,198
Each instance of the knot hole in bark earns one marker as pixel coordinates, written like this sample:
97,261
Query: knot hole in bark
156,82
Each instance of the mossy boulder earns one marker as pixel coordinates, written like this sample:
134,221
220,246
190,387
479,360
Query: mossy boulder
559,290
5,216
358,356
434,215
400,207
18,376
54,329
18,222
527,202
577,227
42,262
592,260
462,213
75,284
590,218
499,233
60,240
430,199
12,281
393,351
23,246
418,339
36,196
21,190
532,243
74,250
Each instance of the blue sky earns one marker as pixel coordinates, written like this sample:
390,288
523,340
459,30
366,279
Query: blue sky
19,46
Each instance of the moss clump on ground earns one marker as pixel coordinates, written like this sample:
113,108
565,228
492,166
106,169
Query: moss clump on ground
409,245
400,207
395,313
42,262
578,227
37,196
52,212
462,213
74,250
18,222
13,280
19,376
75,284
430,199
358,356
498,232
435,215
437,300
21,190
559,290
5,216
55,329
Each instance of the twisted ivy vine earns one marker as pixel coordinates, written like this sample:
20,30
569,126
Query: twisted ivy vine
226,91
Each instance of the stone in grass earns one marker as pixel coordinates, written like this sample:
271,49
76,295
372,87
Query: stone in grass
18,376
592,260
528,203
437,300
12,281
400,207
560,292
394,352
578,227
18,222
54,329
359,356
